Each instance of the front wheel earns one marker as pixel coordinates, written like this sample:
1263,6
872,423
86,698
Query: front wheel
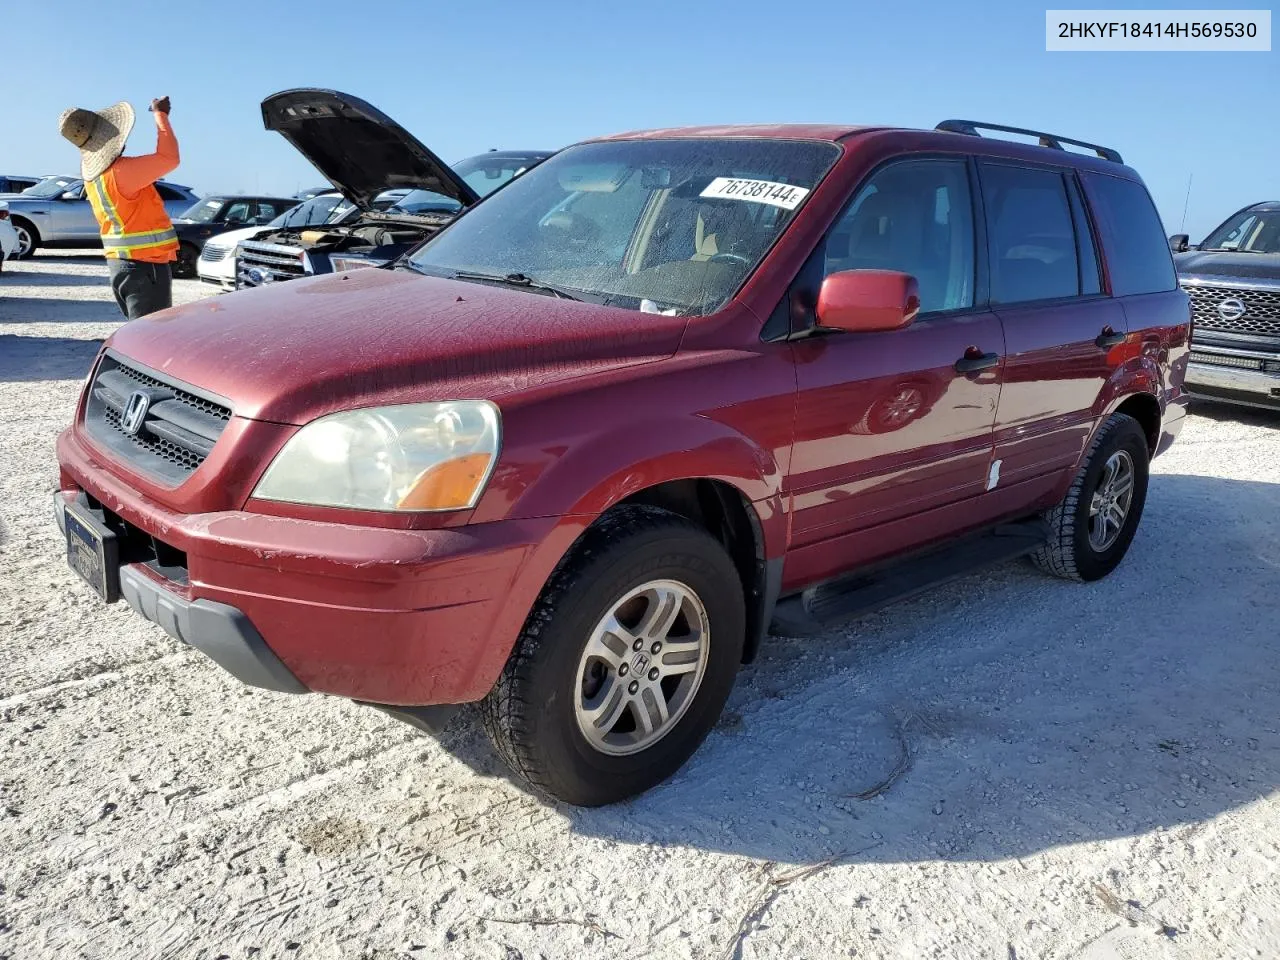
1091,529
625,662
28,239
184,268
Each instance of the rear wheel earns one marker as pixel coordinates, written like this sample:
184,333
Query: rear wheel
625,662
28,238
1091,529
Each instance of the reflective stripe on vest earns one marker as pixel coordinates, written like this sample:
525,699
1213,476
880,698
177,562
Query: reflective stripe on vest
138,240
104,201
119,242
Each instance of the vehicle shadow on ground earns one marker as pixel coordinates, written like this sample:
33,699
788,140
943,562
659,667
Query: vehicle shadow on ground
55,310
42,278
1003,714
1232,412
45,358
52,256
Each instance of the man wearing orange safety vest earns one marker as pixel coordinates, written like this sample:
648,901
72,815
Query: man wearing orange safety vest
137,235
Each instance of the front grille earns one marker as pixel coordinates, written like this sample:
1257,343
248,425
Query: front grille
1261,309
212,254
177,432
259,263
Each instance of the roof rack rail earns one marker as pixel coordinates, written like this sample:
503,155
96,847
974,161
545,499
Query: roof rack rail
1052,141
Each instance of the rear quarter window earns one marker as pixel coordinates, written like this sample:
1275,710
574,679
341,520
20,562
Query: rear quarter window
1133,239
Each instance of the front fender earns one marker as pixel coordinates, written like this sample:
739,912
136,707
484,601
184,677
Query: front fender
601,470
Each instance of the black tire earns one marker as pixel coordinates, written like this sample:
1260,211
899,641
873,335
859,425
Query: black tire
1069,553
184,268
27,227
530,713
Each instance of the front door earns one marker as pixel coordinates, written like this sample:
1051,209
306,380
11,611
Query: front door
894,430
73,219
1064,338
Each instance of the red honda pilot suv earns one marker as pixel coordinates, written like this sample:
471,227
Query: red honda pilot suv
577,454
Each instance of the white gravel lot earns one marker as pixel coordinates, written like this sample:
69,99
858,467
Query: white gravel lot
1091,771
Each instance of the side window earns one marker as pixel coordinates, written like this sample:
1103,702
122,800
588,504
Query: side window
168,194
237,212
1086,244
1137,252
914,216
1030,235
267,210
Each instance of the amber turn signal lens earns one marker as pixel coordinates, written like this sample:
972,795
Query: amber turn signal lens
447,486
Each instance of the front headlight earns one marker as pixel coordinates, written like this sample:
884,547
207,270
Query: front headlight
421,456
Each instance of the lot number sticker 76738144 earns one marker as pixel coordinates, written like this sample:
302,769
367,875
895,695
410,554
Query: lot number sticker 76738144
783,195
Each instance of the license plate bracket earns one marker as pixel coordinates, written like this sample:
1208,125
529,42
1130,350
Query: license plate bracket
93,551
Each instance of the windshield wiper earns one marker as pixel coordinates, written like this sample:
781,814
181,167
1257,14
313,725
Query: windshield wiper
516,280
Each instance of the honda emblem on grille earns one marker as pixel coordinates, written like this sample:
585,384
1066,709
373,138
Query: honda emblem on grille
135,412
1231,309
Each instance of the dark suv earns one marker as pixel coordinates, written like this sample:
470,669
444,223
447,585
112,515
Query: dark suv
574,456
1233,278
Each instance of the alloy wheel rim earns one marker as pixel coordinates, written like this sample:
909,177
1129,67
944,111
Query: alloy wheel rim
1112,499
24,241
902,407
641,667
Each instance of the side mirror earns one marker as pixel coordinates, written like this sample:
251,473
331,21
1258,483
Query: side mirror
70,195
1180,243
868,301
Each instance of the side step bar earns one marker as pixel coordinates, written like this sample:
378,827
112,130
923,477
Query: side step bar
819,608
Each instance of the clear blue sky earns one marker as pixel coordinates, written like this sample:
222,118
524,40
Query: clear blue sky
542,74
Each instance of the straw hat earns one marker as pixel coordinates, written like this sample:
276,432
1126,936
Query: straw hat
100,135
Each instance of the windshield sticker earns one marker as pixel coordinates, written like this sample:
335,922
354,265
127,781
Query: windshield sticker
784,195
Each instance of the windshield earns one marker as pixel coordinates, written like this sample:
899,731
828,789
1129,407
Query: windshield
1248,232
50,187
483,174
202,212
655,225
327,208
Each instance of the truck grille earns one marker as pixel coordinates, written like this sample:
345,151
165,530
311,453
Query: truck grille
176,433
261,263
1261,309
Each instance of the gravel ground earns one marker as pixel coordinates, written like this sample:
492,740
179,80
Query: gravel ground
1077,771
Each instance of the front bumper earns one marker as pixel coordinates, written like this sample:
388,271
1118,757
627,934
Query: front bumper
382,615
1259,388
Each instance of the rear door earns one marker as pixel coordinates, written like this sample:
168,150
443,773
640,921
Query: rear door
1063,336
890,436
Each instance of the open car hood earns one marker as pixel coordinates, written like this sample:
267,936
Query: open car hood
361,150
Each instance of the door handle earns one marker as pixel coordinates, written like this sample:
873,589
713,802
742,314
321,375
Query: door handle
973,361
1109,338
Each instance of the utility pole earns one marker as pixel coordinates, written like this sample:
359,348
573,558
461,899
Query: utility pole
1186,203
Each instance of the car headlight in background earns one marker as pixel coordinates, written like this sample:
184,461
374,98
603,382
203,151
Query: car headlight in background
343,264
421,456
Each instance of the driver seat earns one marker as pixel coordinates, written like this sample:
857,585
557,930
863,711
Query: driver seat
720,228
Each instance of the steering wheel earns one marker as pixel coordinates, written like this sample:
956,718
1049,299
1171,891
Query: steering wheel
728,258
576,230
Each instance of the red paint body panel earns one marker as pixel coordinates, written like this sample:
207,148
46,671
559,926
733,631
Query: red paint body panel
391,616
848,448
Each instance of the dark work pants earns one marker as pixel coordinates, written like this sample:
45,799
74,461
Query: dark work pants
140,287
